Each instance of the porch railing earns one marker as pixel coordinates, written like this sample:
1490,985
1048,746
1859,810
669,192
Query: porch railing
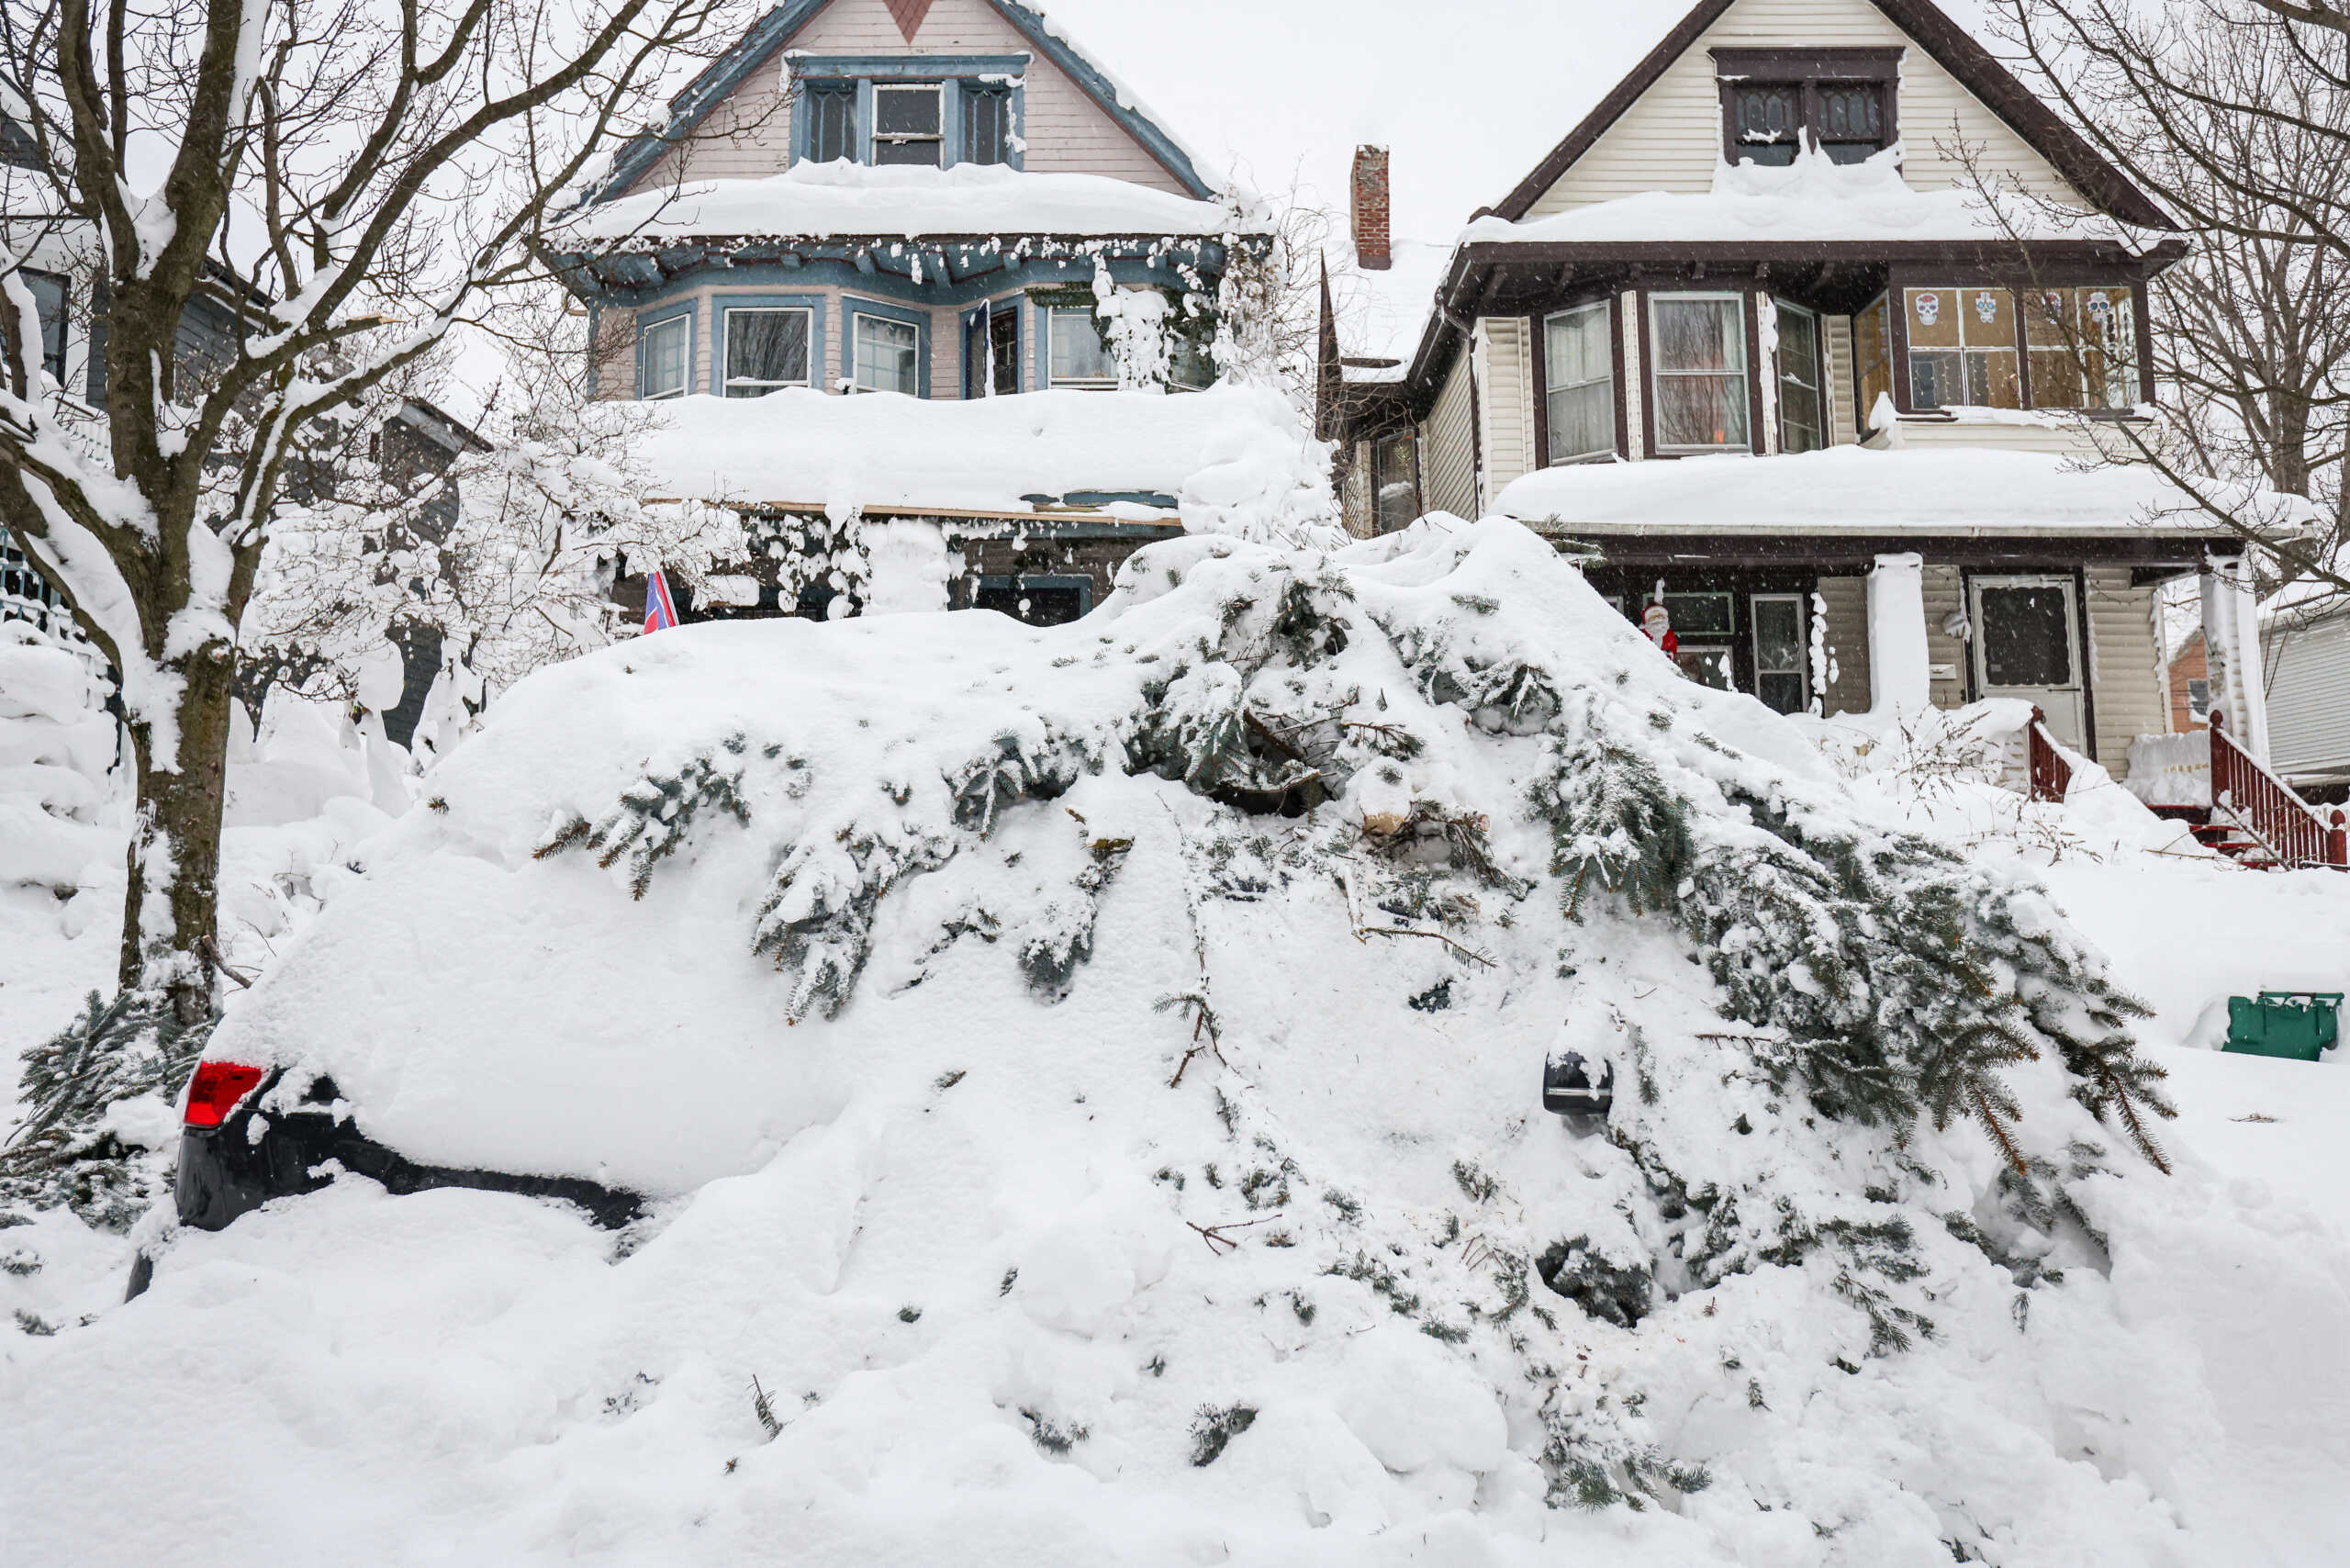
2261,804
2051,775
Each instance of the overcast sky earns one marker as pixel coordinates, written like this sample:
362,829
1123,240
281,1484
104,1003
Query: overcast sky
1468,94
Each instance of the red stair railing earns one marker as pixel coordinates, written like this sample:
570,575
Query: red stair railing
2265,807
2051,775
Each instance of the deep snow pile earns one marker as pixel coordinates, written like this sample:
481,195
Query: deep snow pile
1235,459
1090,1079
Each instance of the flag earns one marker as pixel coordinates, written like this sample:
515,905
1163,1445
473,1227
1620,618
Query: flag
660,610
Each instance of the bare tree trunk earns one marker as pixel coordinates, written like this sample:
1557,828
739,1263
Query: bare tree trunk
170,933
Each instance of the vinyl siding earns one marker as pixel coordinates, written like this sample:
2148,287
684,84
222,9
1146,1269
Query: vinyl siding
1066,130
1671,139
1448,464
2309,697
1847,602
1634,390
1506,405
1945,590
1843,421
2124,664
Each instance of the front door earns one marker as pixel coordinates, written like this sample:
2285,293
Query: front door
2028,645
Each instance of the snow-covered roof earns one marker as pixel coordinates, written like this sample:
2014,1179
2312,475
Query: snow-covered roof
1382,313
1858,490
1226,457
1810,202
819,200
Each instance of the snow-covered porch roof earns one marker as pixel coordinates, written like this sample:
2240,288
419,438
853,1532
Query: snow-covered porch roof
1216,459
1856,491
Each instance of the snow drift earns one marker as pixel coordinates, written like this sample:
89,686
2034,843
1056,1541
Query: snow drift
1090,1080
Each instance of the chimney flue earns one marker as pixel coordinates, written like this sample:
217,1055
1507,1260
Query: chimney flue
1373,250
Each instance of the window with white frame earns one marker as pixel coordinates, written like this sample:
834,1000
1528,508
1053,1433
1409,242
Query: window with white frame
765,347
907,124
665,354
887,355
1079,351
1698,382
1803,420
1578,364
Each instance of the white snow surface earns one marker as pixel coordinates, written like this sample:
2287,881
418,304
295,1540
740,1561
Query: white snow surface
1812,201
957,1234
1857,489
1237,459
824,200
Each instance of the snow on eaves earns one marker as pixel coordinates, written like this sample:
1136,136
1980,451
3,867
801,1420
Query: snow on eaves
1231,455
1813,201
820,200
1380,312
1858,490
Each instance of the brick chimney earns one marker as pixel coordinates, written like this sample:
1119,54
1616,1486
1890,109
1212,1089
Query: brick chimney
1372,249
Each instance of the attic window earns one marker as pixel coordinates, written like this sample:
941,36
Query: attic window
1841,102
906,124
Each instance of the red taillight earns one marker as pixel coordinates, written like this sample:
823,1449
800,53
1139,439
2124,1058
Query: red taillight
214,1090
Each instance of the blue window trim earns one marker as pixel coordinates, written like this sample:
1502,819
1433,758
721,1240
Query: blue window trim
956,74
757,48
1011,304
690,309
908,67
721,303
853,306
803,124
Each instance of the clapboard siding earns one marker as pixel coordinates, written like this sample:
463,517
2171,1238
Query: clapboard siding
1635,388
1065,131
1945,590
1447,459
1507,402
2124,664
1846,603
2308,696
1671,139
1843,421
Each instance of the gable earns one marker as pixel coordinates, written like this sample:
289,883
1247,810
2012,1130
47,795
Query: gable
1660,129
737,114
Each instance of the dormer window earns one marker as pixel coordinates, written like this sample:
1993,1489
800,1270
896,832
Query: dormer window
1840,102
907,124
917,111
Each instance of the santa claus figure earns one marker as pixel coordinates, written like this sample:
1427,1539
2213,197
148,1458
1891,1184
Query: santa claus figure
1658,625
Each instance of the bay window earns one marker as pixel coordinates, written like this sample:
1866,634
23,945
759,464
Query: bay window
765,347
1579,366
1079,354
665,357
2084,346
1962,348
1697,385
886,354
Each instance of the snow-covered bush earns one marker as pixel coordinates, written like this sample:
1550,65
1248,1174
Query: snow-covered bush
1445,742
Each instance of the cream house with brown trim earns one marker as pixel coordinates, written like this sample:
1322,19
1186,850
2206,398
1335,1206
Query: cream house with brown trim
1754,332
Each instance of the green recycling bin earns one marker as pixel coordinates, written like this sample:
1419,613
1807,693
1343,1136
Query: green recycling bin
2295,1024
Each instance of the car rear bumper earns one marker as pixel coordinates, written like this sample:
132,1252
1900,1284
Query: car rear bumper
253,1157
